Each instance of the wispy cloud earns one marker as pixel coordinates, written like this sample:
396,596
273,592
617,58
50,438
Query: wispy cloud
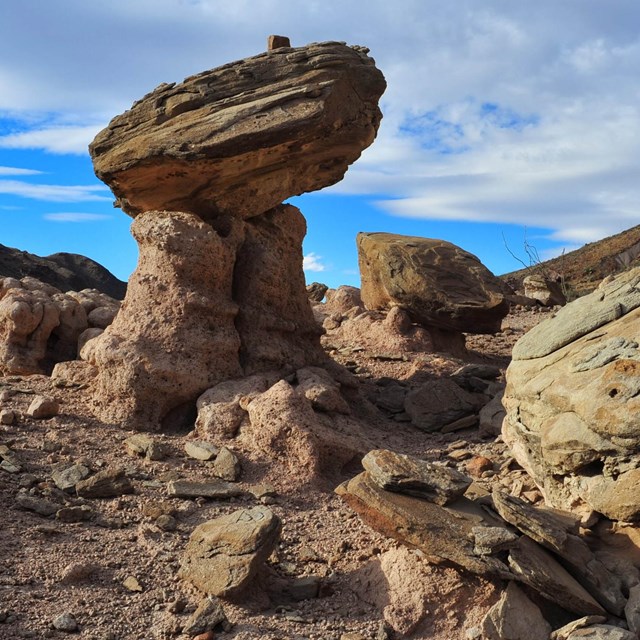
57,139
54,192
313,262
15,171
75,217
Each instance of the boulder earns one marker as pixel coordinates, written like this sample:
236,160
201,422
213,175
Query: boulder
436,282
240,139
546,291
316,291
204,166
224,554
572,400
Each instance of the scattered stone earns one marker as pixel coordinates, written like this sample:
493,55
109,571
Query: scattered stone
226,465
602,632
80,513
42,408
410,475
7,417
216,490
131,583
224,554
201,450
109,483
66,479
515,617
304,588
458,455
38,505
478,465
65,622
166,522
142,444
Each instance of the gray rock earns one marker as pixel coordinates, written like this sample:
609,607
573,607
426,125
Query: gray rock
65,622
537,568
491,540
201,450
632,610
564,632
491,417
108,483
66,479
556,531
439,402
224,554
42,407
226,465
406,474
602,632
7,417
38,505
215,490
80,513
142,444
206,617
515,617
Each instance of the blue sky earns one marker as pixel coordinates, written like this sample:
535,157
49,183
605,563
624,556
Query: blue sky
501,118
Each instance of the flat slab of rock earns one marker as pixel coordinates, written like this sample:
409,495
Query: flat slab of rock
537,568
602,632
225,140
415,477
201,450
444,534
224,554
109,483
436,282
215,490
556,532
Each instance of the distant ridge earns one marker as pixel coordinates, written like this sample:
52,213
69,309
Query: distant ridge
65,271
584,268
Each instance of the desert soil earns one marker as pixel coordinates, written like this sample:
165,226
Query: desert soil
49,567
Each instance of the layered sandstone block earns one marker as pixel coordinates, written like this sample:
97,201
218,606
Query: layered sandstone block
204,167
573,402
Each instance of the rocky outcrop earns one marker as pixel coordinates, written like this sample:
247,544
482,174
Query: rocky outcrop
572,401
203,166
41,326
436,282
64,271
546,291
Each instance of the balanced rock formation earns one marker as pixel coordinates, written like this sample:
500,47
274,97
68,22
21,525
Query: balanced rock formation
204,166
573,398
436,282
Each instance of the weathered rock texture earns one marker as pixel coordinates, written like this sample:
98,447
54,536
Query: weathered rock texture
40,325
436,282
240,139
204,166
573,401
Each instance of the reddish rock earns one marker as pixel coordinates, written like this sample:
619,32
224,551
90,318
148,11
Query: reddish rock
478,465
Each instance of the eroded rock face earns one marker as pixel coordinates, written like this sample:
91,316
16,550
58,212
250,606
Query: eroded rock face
219,291
573,400
436,282
41,326
240,139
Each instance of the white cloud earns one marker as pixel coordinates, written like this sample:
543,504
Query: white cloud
75,217
313,262
14,171
54,192
494,112
57,139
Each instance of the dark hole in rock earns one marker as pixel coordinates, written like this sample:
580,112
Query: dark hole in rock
180,420
594,468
